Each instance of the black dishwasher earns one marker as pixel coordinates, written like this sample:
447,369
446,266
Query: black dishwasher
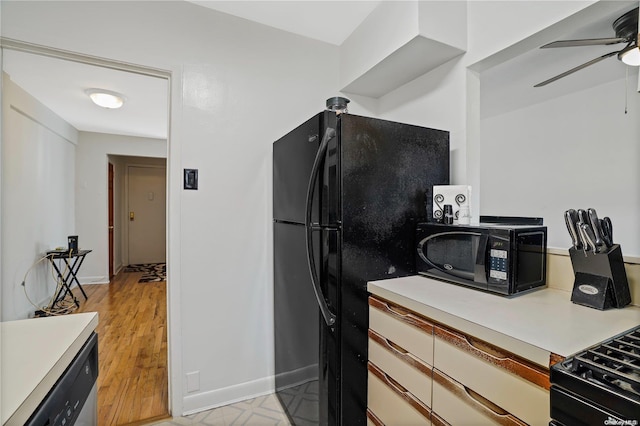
73,398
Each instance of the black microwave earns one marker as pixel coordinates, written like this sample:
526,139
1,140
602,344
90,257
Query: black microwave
495,257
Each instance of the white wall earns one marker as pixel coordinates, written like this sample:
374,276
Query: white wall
38,155
576,151
449,96
497,25
91,207
1,205
236,87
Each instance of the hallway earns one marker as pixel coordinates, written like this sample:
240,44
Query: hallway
132,343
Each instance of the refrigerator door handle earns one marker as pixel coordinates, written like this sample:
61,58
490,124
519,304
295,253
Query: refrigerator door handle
329,317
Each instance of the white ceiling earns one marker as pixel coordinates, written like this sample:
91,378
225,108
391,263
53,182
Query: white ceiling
331,21
509,86
60,84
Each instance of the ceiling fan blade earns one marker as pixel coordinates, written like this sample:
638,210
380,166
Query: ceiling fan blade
585,42
578,68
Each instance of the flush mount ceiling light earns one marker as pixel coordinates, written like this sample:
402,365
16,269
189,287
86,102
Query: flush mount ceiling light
630,55
105,98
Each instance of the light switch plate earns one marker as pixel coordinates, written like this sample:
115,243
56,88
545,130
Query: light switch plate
190,179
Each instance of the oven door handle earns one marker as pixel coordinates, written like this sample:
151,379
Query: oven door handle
329,317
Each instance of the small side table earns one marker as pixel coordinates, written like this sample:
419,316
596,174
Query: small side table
67,275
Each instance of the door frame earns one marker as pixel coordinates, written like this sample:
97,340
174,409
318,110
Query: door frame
110,214
173,77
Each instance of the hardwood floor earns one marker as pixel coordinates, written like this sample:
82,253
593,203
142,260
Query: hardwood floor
132,348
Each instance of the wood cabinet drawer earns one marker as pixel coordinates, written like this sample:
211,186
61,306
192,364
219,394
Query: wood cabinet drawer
402,327
402,366
391,404
372,419
436,420
456,404
511,383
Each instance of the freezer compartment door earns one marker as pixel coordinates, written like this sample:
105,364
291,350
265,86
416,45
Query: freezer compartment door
294,156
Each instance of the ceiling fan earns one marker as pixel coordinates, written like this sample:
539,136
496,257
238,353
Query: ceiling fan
626,29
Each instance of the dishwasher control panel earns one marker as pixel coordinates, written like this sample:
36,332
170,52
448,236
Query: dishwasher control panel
73,397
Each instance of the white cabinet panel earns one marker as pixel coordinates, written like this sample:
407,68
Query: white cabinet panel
458,405
403,328
488,373
414,376
392,404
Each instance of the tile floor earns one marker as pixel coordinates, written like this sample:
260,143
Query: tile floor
264,410
261,411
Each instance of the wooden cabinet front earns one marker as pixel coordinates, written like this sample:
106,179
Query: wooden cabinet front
403,366
393,404
400,366
517,386
423,372
456,404
402,327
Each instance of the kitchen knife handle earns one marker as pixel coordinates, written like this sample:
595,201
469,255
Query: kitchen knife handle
607,231
582,216
571,219
595,226
583,237
589,236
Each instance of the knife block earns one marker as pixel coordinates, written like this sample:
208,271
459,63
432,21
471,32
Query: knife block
600,278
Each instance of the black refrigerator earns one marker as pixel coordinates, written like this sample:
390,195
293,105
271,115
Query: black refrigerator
347,193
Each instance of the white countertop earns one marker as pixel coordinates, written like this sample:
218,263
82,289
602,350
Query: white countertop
532,325
35,353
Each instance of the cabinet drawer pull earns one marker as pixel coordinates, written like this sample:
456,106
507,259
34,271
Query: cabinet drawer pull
395,385
472,398
401,314
436,420
400,390
400,353
489,351
398,311
534,374
479,399
373,418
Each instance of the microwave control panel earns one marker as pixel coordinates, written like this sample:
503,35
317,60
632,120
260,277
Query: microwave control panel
498,265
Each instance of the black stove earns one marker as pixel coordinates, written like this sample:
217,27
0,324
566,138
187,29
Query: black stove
600,385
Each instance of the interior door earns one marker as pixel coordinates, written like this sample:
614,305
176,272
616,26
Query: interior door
146,214
110,214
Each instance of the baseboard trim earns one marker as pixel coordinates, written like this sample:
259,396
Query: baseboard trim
208,400
297,377
118,269
93,280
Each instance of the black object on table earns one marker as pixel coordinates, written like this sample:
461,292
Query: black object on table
73,261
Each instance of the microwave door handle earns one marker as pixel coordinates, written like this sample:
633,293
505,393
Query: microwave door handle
329,317
480,269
